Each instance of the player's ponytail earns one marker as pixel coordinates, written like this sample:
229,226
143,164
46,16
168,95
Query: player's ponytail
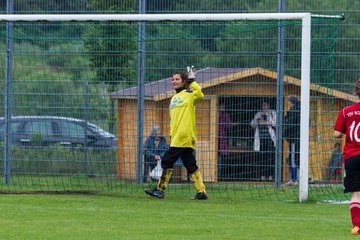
357,88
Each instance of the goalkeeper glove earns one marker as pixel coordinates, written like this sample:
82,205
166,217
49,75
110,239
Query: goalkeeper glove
191,73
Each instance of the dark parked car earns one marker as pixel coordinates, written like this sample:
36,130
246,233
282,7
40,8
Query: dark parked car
62,130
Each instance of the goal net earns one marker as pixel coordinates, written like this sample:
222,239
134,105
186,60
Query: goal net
84,94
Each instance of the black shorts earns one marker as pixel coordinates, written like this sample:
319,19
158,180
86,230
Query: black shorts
186,155
352,175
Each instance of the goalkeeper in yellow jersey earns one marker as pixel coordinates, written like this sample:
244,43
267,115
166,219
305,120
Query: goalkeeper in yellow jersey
182,133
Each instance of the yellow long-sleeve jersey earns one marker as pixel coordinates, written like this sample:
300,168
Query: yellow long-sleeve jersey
182,116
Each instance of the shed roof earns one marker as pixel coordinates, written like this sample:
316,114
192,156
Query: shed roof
209,77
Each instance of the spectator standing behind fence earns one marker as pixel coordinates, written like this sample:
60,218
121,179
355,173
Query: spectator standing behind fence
225,125
155,147
182,134
347,124
334,167
292,135
264,123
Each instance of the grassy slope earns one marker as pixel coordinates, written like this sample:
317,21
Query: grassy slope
136,216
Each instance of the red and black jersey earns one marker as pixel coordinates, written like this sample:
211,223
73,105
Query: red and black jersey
348,122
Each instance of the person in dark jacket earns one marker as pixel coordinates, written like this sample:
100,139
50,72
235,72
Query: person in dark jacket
292,135
155,147
225,125
334,168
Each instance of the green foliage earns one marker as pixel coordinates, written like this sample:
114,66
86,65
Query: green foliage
111,6
112,52
60,160
41,6
69,57
37,140
54,81
112,47
214,6
174,46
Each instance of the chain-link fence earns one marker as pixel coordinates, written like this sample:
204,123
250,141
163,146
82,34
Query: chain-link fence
74,94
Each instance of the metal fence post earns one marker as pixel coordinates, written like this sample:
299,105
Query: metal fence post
8,100
141,92
279,98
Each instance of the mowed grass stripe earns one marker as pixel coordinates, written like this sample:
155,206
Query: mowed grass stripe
137,216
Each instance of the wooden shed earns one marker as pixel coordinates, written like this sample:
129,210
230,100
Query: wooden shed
239,85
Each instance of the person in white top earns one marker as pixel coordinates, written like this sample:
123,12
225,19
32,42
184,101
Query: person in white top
264,123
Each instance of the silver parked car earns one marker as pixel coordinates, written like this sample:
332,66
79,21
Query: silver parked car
61,130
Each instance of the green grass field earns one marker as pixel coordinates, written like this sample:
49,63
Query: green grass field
137,216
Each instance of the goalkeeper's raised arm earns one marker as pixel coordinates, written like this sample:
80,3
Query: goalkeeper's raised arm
193,85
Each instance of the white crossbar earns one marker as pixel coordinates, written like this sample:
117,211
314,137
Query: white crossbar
153,17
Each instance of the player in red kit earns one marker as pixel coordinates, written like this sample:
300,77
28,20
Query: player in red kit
348,123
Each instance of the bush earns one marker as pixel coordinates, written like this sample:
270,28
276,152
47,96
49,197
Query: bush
59,160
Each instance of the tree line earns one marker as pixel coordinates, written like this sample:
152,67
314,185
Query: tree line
84,73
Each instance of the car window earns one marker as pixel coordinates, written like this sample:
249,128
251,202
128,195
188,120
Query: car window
100,131
73,130
14,127
38,127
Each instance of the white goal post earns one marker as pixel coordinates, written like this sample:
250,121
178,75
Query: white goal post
305,18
